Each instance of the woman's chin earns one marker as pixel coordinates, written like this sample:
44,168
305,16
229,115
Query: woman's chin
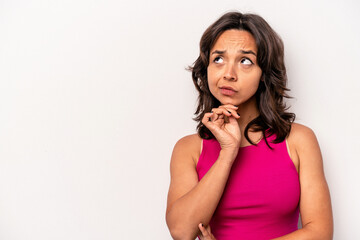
229,103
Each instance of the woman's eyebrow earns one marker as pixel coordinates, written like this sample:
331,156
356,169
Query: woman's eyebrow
241,51
247,52
218,52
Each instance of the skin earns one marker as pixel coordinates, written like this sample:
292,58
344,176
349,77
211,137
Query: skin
192,203
230,67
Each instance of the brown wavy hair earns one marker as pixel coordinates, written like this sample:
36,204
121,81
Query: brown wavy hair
273,117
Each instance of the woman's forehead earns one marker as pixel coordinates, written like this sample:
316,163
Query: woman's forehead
242,40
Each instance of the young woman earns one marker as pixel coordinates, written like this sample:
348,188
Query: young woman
250,170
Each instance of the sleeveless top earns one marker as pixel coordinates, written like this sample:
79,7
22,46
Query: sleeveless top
261,196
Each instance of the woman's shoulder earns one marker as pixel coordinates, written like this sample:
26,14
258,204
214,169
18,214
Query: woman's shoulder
189,145
301,137
189,139
301,133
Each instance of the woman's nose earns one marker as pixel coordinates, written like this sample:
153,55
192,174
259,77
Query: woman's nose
230,73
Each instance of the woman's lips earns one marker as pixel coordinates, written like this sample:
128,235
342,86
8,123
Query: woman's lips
227,91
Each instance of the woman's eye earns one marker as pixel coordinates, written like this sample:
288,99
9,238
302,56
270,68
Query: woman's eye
218,60
246,61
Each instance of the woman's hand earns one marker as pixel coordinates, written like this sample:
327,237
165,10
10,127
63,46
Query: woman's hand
223,124
206,233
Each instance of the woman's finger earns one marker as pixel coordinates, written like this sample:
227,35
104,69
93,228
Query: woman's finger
207,118
206,232
231,110
216,115
221,111
211,123
227,110
229,106
234,113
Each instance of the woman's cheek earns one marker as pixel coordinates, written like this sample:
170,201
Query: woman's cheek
212,89
211,81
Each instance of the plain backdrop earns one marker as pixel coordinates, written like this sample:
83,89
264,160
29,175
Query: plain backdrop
94,94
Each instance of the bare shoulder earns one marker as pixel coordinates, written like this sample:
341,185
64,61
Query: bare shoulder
301,132
305,142
302,135
189,145
189,140
315,203
183,167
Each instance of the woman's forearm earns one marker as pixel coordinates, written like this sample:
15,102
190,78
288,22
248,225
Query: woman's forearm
300,234
199,204
307,234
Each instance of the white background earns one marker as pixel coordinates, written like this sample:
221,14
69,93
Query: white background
94,95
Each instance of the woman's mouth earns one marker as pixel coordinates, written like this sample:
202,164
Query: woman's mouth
227,91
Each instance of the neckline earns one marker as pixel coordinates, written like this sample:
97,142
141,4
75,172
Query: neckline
256,144
261,140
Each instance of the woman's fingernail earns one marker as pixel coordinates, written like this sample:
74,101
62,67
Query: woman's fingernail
235,106
238,114
229,112
202,225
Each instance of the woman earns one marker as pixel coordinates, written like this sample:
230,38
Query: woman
250,170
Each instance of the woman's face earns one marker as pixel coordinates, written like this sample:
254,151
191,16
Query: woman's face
233,73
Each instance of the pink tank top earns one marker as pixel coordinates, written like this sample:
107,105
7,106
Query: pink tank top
261,197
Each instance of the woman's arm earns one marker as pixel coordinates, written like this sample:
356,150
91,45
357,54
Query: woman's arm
315,203
191,201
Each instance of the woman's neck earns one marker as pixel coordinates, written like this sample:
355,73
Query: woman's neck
248,111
